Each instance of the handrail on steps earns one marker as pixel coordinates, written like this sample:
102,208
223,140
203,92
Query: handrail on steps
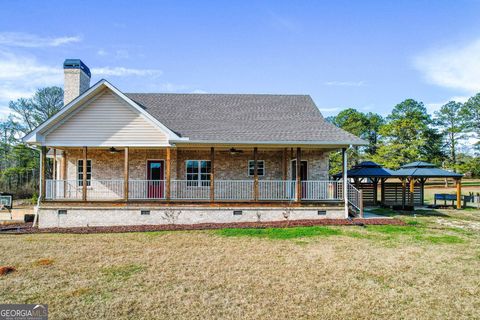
355,198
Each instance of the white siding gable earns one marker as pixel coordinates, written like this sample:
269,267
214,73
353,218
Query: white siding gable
106,121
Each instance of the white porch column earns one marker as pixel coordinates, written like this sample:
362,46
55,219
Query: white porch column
345,181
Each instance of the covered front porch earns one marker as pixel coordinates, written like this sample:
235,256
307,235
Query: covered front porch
210,174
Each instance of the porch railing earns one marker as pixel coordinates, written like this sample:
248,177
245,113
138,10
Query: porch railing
146,189
234,190
189,190
322,190
104,189
276,190
63,189
225,190
73,189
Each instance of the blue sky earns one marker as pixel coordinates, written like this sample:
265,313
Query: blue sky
369,55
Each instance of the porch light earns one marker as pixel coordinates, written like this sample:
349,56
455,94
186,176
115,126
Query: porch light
113,150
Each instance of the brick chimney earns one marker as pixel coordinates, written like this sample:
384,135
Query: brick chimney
77,79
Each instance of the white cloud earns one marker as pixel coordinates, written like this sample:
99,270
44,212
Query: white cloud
199,91
329,110
20,76
456,67
27,40
122,54
102,52
118,54
435,106
121,72
345,83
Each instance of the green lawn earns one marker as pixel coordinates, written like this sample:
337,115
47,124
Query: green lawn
427,269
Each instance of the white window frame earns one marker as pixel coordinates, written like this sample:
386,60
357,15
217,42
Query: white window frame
199,181
258,167
80,181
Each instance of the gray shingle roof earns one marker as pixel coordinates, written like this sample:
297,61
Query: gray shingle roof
243,117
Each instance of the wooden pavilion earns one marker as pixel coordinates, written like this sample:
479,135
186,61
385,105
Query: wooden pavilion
403,188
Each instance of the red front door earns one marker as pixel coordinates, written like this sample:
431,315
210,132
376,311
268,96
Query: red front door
155,172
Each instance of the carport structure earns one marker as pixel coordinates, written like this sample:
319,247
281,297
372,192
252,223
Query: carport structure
367,175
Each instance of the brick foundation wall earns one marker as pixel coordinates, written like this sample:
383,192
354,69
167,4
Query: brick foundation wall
85,217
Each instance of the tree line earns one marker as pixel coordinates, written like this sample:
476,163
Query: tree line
19,163
409,133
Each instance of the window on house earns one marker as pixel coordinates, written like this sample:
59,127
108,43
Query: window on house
260,167
198,173
80,172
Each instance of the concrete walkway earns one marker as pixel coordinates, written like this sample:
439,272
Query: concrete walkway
370,215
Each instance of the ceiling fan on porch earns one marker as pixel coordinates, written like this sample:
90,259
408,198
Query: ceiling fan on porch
234,151
113,150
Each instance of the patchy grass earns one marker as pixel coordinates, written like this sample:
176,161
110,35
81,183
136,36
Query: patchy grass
415,223
44,262
122,272
394,272
387,229
440,239
280,233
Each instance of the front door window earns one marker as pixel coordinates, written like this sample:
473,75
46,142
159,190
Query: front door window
155,183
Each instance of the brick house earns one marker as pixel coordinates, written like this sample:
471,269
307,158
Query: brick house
142,158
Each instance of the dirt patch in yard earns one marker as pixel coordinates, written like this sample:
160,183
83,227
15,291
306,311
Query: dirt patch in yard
27,228
4,270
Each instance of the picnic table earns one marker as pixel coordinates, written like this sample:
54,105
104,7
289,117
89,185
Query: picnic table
448,197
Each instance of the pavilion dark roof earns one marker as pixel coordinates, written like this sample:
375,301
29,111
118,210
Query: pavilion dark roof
420,169
417,169
367,169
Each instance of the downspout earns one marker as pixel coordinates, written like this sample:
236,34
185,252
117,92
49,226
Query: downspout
345,181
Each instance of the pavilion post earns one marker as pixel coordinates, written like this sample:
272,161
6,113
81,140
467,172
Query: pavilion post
459,193
412,191
375,191
382,191
404,182
422,190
